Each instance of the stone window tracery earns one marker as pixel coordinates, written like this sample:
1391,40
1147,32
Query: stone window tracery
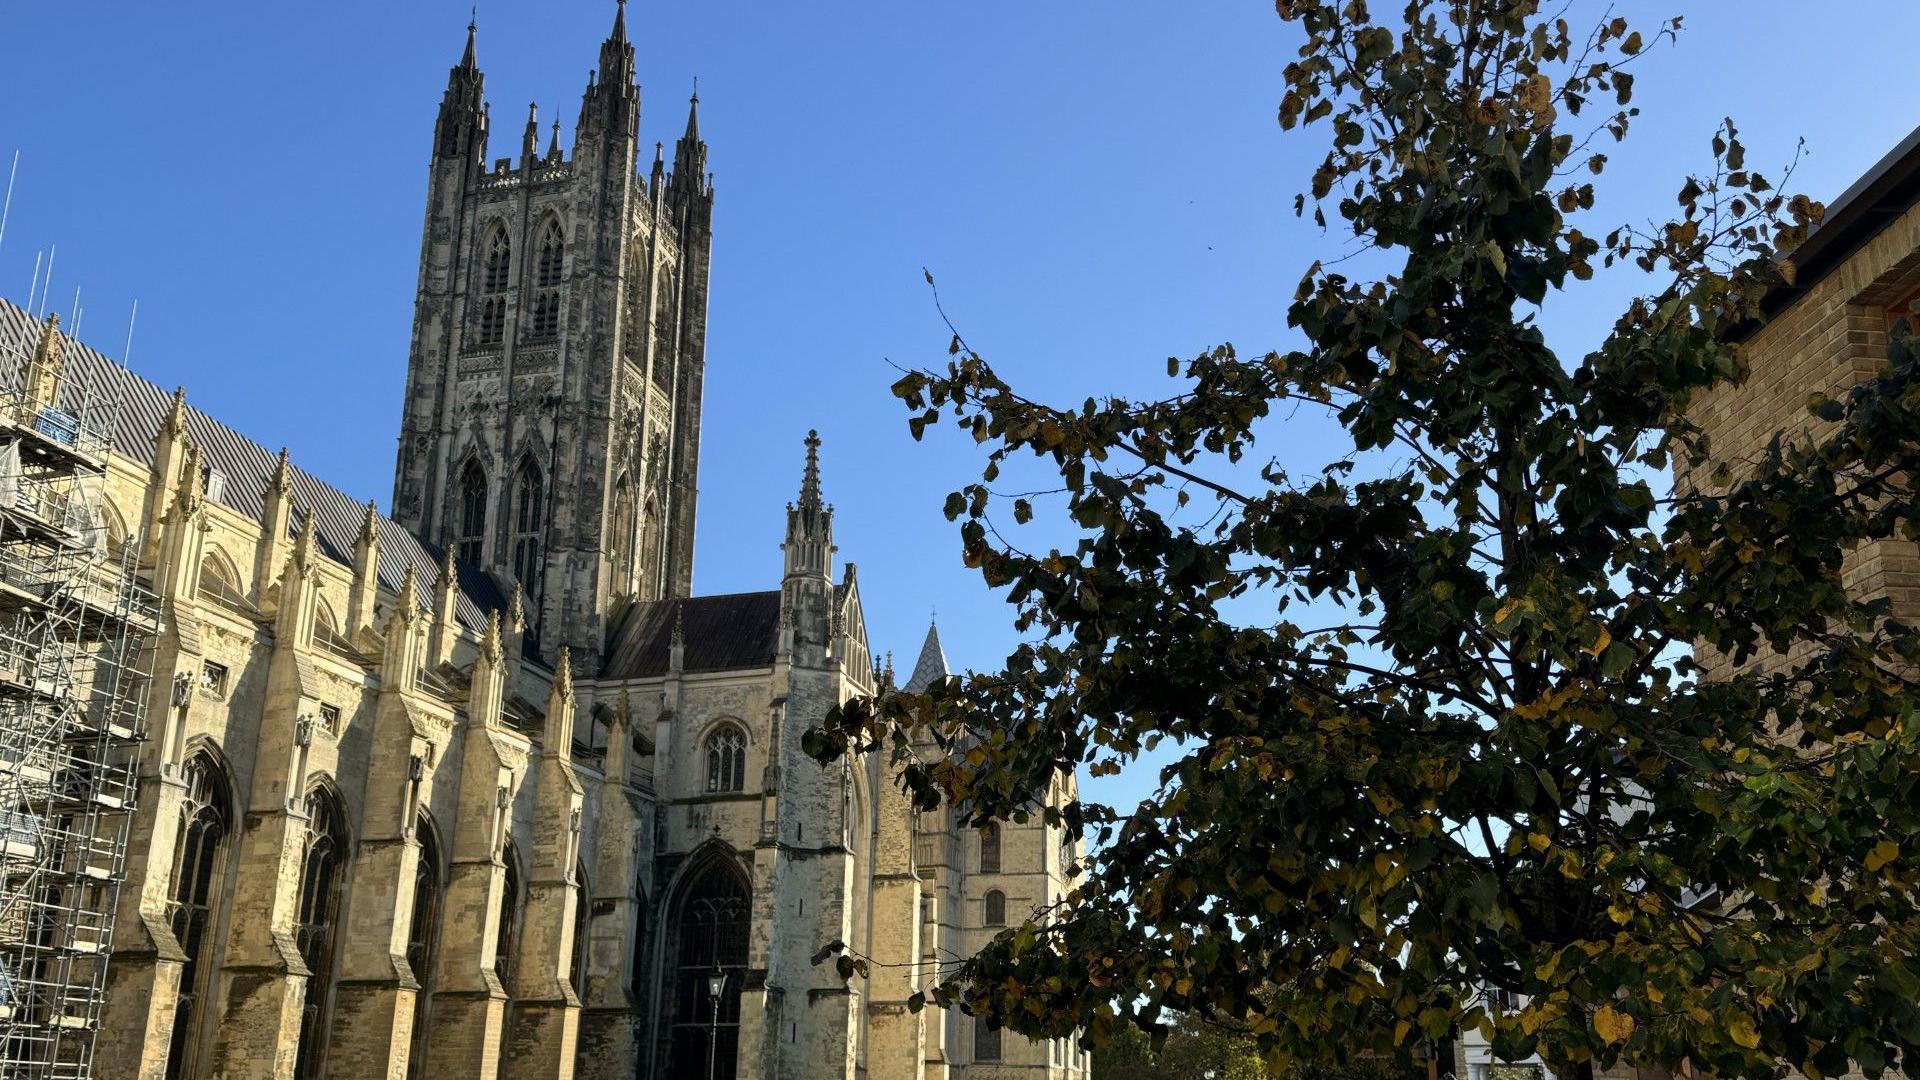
220,584
320,871
470,545
547,275
199,870
423,936
582,911
506,935
496,273
726,755
528,516
986,1040
990,849
620,542
499,267
714,921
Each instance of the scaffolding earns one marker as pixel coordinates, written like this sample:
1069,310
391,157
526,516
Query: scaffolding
76,630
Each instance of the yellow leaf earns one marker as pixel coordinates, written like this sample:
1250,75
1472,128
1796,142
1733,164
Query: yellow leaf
1740,1026
1600,643
1883,853
1538,841
1611,1025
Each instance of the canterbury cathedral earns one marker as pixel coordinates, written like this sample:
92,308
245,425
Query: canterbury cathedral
478,787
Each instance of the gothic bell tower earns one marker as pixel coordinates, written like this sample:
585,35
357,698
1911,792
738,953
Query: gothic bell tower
551,429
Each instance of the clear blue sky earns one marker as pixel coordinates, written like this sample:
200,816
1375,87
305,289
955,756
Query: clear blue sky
1096,186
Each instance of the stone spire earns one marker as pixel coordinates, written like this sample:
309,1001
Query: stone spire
932,665
612,99
530,141
690,153
468,62
461,130
809,544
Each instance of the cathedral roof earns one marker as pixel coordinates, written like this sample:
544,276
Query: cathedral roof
246,465
721,633
932,665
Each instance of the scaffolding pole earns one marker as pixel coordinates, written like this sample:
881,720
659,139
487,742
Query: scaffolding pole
76,635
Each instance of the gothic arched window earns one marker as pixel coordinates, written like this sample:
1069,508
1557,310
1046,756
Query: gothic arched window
314,934
990,849
506,935
650,549
470,545
620,538
726,759
200,858
996,904
423,935
552,254
529,493
714,921
637,979
546,280
220,583
496,274
493,320
582,909
986,1040
499,268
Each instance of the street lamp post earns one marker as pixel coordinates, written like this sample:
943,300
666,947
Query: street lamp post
716,986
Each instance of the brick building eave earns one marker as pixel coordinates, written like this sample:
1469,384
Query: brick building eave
1884,192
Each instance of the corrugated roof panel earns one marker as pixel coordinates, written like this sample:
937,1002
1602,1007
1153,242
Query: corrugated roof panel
247,466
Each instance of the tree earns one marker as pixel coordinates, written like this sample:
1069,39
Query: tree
1502,768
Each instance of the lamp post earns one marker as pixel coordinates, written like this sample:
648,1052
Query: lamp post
716,986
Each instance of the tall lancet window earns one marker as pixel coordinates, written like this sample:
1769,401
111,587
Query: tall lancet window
506,934
529,493
726,759
496,273
499,268
546,282
423,935
650,552
990,849
470,545
582,914
314,934
200,859
620,538
710,951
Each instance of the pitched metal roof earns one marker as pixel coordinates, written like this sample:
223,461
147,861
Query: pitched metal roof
247,466
720,633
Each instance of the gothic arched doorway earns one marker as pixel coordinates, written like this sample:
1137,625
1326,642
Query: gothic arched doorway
710,945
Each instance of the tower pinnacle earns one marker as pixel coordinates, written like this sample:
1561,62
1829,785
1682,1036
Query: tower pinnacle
809,544
461,131
810,478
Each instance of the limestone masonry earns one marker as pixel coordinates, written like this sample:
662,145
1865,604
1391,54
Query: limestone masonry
479,789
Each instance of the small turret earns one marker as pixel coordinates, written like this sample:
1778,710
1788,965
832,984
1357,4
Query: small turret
530,141
690,156
611,105
461,130
366,575
809,544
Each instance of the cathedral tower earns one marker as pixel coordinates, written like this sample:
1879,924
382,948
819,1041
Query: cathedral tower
551,426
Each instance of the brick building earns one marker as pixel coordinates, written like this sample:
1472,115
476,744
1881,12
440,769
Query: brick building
480,788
